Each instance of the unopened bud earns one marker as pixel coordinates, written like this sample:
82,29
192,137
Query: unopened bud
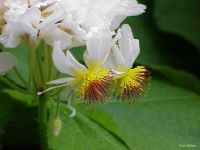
56,126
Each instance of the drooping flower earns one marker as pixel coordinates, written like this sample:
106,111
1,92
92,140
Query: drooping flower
7,62
90,83
125,49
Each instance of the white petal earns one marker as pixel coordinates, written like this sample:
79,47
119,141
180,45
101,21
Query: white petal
7,62
72,28
129,46
19,25
98,44
66,63
117,21
123,55
53,33
61,81
135,9
120,61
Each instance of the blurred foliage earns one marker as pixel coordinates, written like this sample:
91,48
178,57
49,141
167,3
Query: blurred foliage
166,116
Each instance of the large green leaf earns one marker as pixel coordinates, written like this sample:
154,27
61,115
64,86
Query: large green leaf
181,17
166,118
18,125
82,133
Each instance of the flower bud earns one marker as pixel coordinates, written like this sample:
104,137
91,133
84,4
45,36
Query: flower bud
56,125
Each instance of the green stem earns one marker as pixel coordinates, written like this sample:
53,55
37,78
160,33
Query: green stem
43,122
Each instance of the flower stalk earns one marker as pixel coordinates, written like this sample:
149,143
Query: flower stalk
43,108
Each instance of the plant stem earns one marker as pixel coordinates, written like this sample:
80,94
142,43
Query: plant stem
43,122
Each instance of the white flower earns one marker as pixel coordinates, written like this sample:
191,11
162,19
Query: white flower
91,83
7,62
66,21
32,21
124,51
18,26
111,13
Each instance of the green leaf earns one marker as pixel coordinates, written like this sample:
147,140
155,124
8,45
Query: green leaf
181,17
82,133
19,96
22,55
5,112
165,118
179,77
78,52
18,125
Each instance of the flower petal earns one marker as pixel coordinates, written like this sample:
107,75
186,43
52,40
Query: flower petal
98,44
7,62
19,25
61,81
129,46
66,63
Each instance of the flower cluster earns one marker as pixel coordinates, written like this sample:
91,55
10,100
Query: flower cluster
108,66
67,21
63,24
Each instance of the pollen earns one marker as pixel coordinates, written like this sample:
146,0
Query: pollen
133,82
95,84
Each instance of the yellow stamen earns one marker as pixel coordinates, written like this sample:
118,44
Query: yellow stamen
132,82
95,84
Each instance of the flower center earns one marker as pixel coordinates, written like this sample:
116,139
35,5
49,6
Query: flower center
95,85
132,83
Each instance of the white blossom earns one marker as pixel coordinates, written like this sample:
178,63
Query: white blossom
66,21
92,82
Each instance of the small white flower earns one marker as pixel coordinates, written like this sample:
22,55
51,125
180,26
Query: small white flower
18,26
124,51
7,62
90,84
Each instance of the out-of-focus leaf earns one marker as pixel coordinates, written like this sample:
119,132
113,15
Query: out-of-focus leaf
22,55
19,96
18,125
5,109
181,17
165,119
179,77
82,133
78,52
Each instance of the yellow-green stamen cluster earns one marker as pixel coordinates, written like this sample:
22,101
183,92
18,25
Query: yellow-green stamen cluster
132,83
95,84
